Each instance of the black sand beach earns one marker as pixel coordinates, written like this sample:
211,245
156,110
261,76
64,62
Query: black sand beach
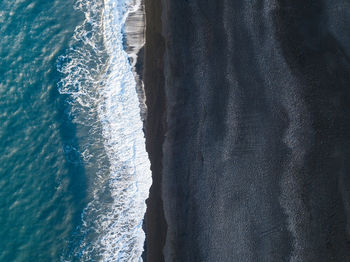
248,130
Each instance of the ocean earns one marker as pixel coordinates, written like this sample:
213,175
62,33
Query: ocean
74,172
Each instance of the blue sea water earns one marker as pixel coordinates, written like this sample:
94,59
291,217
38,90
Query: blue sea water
74,173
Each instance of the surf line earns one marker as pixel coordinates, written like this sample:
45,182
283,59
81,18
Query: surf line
98,77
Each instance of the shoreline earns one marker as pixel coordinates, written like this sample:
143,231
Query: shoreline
155,128
149,78
143,39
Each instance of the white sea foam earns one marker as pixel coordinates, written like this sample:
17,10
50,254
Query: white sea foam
102,88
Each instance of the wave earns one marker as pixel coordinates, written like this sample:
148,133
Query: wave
101,87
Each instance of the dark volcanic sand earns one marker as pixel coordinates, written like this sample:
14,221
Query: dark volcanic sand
249,131
153,77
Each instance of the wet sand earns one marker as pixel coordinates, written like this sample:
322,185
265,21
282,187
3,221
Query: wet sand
248,130
153,77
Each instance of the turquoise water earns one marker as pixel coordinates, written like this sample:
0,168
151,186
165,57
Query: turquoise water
73,170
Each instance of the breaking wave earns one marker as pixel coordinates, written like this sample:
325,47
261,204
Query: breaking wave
101,89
